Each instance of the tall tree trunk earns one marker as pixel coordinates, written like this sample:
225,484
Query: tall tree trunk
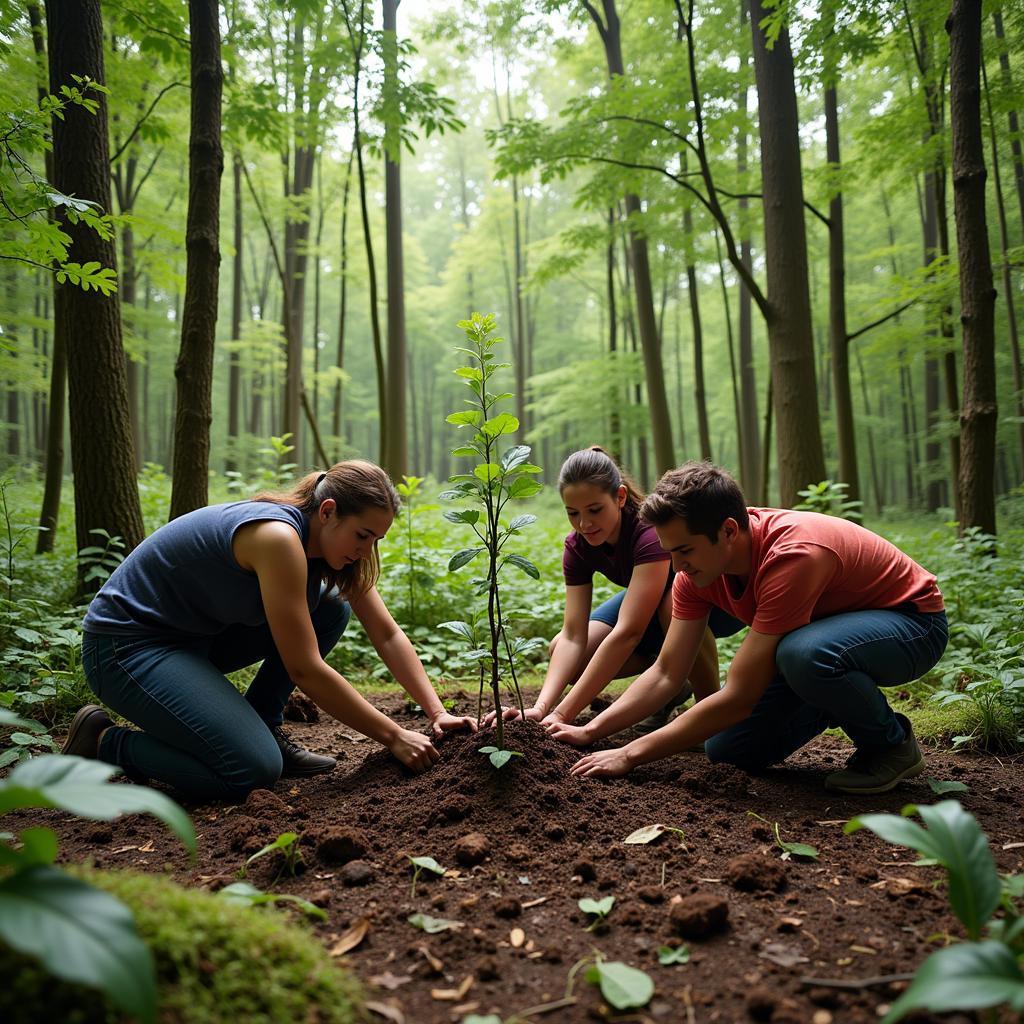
106,494
342,306
978,417
194,369
615,441
1013,120
838,342
799,449
699,395
396,456
231,463
650,343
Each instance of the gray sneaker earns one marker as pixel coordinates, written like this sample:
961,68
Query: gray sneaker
879,769
662,715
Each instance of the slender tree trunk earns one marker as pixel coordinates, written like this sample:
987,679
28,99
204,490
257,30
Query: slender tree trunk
799,449
1012,117
615,423
733,369
194,369
106,495
342,306
838,342
699,394
235,358
978,417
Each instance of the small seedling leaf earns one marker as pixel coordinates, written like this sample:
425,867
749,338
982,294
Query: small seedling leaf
645,835
282,842
800,850
940,788
432,925
428,864
624,987
600,907
487,750
668,955
500,758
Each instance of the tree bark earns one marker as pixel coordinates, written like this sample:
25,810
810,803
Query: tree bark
699,394
342,307
106,494
231,463
1013,120
978,415
798,430
396,456
194,369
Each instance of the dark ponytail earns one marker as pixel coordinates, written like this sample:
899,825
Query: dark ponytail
595,466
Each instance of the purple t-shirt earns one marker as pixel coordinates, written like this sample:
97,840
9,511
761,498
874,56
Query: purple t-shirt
637,544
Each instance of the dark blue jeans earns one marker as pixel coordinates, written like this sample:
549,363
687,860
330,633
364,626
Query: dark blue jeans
199,734
830,674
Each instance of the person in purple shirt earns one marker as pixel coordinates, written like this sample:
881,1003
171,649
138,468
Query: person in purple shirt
623,636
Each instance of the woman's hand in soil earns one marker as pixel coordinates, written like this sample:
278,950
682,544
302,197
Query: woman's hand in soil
602,764
576,735
414,750
444,722
534,714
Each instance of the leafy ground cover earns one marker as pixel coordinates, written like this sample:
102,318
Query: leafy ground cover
726,921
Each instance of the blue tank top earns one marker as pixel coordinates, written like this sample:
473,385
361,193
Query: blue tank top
184,579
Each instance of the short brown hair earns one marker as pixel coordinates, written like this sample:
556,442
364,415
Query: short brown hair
700,494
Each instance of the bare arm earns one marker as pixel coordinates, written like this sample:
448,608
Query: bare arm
645,591
274,552
569,651
749,675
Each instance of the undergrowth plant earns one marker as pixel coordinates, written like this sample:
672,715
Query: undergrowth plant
415,574
829,498
494,482
987,970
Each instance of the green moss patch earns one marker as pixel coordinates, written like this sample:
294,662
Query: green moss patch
215,962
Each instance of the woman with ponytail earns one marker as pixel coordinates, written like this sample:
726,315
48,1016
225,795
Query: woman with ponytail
622,637
272,579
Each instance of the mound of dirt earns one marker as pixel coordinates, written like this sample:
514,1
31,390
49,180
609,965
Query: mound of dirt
756,872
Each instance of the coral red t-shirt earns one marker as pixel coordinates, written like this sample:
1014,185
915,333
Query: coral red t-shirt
805,566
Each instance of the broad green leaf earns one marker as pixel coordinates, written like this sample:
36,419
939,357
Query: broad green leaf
526,467
465,449
428,864
668,955
600,907
470,373
246,894
9,718
487,471
432,925
466,418
624,987
800,850
524,487
525,564
940,788
520,521
81,786
81,934
487,750
471,516
459,559
462,629
500,758
505,423
515,456
964,976
30,636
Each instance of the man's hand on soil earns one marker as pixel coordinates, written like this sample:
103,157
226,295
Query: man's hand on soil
445,722
414,750
602,764
533,714
576,735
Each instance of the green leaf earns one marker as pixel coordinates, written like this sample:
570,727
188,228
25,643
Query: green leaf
500,758
282,842
476,1018
800,850
80,934
38,846
515,456
965,976
487,750
465,449
524,487
466,418
470,516
246,894
668,955
30,636
505,423
525,564
428,864
600,907
520,521
940,788
487,471
11,719
432,925
470,373
461,558
462,629
81,787
624,987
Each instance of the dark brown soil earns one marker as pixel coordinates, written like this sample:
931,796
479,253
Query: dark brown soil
523,844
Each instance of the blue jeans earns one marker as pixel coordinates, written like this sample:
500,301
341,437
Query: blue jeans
830,673
720,623
199,734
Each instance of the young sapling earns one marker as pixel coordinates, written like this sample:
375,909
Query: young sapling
291,857
421,864
788,849
599,909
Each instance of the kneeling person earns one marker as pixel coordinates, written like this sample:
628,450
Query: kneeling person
836,613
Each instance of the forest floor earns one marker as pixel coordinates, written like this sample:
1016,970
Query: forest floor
798,941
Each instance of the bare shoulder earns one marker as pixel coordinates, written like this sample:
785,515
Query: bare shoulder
254,542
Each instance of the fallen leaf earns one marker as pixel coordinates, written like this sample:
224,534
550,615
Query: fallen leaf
389,1011
543,899
645,835
390,981
784,956
453,995
148,848
517,937
124,849
350,939
436,965
867,950
902,886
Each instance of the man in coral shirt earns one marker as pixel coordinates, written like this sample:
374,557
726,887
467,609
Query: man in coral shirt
835,614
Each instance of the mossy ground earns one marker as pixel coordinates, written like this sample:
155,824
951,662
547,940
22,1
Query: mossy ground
215,961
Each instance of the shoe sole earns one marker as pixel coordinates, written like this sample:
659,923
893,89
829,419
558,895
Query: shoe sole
912,771
78,722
